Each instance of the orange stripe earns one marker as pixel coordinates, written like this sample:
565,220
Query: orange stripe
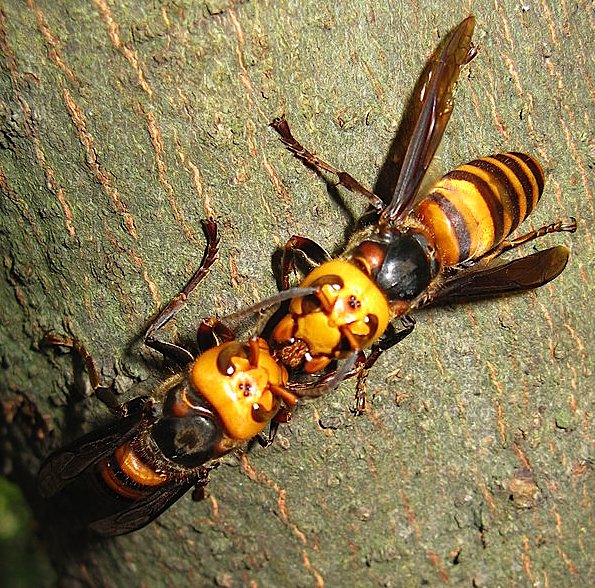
517,189
535,168
477,205
429,213
471,206
503,193
532,198
138,471
113,483
497,192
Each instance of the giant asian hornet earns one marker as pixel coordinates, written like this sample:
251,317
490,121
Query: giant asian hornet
165,442
439,246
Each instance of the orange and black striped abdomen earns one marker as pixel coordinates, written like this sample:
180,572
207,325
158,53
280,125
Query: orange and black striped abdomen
128,475
476,206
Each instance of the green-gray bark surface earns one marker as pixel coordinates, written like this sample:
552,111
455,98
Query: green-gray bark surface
125,123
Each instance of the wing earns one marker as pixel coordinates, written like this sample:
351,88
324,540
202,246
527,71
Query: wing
500,277
63,466
436,96
141,512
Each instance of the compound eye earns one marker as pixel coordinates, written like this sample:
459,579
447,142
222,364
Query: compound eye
336,282
313,303
372,322
228,355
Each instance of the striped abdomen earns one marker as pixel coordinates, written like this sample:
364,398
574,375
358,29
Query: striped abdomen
476,206
128,475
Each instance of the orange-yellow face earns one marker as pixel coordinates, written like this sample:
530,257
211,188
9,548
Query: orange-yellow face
348,305
235,387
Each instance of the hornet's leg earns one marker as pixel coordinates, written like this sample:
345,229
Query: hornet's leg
346,180
175,352
213,332
390,338
199,492
306,249
562,226
101,390
282,417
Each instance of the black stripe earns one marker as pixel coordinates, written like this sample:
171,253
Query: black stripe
510,201
524,179
123,479
456,220
536,170
487,193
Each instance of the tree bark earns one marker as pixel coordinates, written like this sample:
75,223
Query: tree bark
124,124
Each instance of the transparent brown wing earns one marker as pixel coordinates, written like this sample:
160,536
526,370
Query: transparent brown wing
141,512
437,102
500,277
64,465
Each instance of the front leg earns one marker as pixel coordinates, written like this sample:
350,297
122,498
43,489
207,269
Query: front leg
199,493
390,338
212,332
303,248
283,416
